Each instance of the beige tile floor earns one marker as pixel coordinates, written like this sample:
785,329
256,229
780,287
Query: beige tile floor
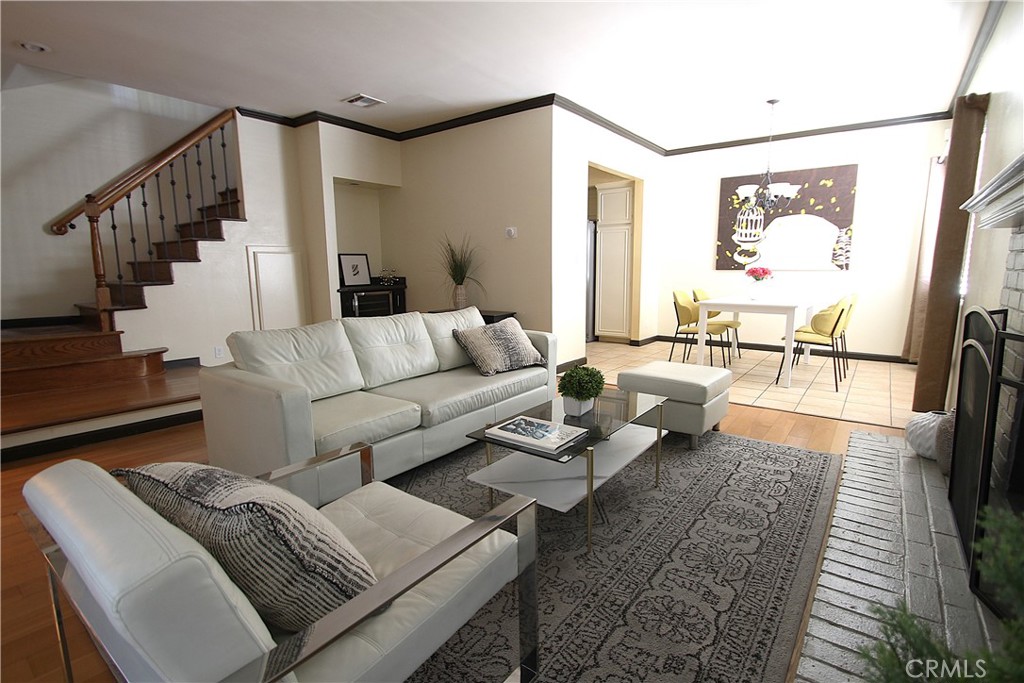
873,392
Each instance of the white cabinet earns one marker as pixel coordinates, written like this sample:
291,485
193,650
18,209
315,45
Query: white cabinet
614,259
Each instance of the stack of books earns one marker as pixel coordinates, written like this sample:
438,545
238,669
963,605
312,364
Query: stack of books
549,437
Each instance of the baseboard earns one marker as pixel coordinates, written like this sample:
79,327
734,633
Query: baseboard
53,321
182,363
562,367
44,446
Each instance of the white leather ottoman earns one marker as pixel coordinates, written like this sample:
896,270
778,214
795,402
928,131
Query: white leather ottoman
698,396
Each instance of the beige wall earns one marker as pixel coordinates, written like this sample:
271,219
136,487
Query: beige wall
998,74
328,153
476,181
357,215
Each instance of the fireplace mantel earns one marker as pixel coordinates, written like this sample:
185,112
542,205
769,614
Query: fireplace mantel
1000,203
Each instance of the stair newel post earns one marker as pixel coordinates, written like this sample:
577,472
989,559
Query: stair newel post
227,180
103,303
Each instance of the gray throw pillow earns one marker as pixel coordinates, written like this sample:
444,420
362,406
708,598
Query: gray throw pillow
500,347
288,559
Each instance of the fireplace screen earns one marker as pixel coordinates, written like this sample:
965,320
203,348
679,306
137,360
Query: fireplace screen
987,469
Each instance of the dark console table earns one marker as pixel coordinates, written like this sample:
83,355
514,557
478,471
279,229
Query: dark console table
362,301
488,316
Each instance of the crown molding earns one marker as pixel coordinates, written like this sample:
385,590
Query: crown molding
570,106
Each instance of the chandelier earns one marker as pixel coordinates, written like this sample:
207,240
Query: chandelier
755,202
768,195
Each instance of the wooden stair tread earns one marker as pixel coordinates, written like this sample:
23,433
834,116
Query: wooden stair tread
100,358
34,410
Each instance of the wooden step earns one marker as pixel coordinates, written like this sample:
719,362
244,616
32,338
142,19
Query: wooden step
185,249
79,372
227,208
153,271
210,229
21,347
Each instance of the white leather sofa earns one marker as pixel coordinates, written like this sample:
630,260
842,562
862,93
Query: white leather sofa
162,608
400,382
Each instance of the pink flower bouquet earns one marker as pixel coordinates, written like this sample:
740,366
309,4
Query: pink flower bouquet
759,273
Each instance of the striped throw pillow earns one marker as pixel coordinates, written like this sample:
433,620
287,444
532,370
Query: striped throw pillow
288,559
499,347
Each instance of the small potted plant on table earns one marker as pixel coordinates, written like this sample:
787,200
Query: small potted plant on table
579,386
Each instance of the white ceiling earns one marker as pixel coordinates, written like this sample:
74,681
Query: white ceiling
676,73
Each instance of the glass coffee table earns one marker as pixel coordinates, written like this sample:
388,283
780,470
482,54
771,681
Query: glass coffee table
562,479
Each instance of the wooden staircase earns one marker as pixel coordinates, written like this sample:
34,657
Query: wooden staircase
51,358
130,293
75,381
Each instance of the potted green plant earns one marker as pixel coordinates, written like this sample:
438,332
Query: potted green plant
459,262
579,386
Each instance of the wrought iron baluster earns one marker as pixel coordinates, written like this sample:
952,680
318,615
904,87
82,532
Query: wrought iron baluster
202,190
174,203
131,234
227,184
145,218
160,206
213,173
117,255
188,188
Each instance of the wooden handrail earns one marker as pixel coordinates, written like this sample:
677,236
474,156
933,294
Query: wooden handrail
111,193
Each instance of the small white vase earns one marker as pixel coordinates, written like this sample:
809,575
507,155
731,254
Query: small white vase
930,435
576,408
459,297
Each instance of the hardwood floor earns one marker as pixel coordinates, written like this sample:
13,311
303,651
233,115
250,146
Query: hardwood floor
28,645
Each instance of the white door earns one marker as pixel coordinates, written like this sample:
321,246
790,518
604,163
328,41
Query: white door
614,259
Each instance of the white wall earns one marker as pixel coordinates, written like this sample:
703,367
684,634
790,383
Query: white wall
999,74
211,299
476,181
576,143
60,141
891,179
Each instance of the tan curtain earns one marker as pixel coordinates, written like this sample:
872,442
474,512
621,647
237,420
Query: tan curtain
925,255
943,307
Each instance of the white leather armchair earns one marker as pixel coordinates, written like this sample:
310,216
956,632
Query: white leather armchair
160,607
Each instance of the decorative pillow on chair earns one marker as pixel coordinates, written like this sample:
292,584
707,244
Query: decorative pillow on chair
288,559
500,347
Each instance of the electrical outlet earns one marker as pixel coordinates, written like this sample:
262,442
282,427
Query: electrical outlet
218,351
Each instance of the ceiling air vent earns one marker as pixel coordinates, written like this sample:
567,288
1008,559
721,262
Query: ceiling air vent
361,100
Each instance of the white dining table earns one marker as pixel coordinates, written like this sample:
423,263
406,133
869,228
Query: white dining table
738,304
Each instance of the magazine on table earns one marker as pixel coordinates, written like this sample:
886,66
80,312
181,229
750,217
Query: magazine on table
537,433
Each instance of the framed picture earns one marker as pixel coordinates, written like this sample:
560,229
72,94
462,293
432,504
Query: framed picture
354,268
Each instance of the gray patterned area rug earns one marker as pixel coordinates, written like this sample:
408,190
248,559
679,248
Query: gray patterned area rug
704,578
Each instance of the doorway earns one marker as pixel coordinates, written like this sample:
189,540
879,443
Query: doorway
613,268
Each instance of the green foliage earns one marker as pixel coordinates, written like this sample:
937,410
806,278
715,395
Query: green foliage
459,261
905,639
581,382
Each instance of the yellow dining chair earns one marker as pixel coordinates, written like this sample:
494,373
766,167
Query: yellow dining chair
687,315
825,330
842,332
734,325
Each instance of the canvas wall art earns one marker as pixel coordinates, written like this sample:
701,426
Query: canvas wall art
813,232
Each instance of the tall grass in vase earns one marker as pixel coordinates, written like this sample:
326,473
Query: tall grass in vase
459,262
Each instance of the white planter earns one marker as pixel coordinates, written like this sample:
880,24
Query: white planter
460,299
576,408
930,435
